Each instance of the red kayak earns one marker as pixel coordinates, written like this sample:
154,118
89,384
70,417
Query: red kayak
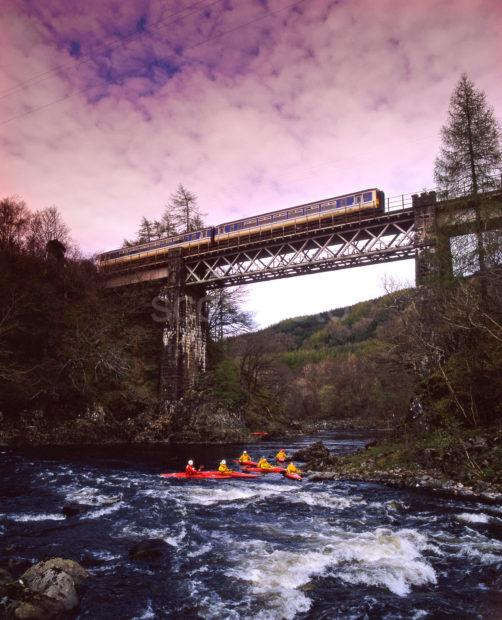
292,476
211,475
268,470
246,463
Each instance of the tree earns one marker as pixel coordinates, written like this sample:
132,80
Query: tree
47,226
14,220
225,314
471,154
183,211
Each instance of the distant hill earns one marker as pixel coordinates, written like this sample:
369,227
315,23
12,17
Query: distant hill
327,367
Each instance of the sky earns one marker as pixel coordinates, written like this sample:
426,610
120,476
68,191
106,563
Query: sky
254,105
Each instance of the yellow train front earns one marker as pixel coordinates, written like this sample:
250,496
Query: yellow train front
321,211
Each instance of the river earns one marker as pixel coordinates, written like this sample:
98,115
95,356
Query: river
248,549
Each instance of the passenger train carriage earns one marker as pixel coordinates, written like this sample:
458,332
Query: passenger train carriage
368,199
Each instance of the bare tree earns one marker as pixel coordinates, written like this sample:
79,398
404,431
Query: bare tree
14,221
47,226
226,315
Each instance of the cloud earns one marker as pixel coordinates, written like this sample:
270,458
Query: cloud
254,105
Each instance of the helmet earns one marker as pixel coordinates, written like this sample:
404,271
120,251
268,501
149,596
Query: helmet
190,462
223,462
244,452
282,450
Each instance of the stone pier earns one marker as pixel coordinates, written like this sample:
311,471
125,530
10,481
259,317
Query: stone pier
184,336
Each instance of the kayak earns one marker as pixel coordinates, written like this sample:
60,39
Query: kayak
209,475
246,463
292,476
269,470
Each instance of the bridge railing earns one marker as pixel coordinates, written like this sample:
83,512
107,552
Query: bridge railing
398,203
406,201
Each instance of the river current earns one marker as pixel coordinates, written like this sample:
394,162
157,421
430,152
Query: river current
259,549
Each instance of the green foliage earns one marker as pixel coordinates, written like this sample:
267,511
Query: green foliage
227,386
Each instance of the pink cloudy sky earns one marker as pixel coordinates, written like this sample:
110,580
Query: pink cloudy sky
253,104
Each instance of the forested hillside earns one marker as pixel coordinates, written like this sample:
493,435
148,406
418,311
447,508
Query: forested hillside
330,368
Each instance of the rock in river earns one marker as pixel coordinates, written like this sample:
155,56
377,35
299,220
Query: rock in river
46,590
150,549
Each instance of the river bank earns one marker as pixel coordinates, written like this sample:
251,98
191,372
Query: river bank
470,469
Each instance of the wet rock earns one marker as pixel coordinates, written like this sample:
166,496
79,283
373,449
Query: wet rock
317,457
149,549
46,590
70,567
370,444
315,451
73,509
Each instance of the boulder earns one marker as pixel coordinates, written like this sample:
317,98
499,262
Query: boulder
46,590
317,457
72,509
316,451
70,567
149,549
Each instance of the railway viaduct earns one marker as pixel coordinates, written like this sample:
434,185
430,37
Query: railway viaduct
415,226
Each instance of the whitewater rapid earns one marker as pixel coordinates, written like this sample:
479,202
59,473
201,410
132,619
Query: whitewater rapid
256,549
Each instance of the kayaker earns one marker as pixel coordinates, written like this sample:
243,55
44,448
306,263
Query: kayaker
281,455
244,457
292,469
190,469
264,464
223,468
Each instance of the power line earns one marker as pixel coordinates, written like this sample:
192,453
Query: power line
40,77
190,47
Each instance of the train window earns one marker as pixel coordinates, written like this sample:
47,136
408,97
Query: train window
295,212
265,218
249,223
357,199
349,201
312,209
368,196
227,227
279,216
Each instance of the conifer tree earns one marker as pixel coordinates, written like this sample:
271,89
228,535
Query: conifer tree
183,210
471,156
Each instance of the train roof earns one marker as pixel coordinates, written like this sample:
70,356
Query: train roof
241,219
306,204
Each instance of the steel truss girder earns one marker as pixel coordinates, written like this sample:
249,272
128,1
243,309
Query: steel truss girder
334,250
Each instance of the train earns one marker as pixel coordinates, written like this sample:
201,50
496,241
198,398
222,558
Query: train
364,200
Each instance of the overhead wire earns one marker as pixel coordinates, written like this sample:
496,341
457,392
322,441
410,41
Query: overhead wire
190,47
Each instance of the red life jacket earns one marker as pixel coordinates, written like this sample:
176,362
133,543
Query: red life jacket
190,470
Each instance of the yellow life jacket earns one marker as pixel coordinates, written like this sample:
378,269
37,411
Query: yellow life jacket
224,469
264,464
291,469
280,456
244,458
